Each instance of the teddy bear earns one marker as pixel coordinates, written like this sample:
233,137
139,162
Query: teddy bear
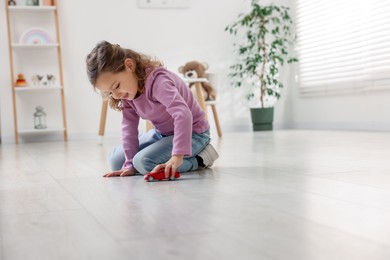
195,69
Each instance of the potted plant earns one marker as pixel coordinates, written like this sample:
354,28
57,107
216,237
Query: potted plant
266,36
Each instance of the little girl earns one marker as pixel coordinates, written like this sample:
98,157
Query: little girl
140,87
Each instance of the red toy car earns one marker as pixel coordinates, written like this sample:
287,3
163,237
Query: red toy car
160,175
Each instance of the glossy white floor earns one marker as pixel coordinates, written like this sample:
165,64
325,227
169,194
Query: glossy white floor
271,195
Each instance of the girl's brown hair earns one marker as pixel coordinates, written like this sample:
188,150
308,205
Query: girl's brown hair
107,57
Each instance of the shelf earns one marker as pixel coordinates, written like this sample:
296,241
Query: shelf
25,8
41,131
26,89
36,48
27,46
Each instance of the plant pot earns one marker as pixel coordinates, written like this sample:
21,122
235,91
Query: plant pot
262,118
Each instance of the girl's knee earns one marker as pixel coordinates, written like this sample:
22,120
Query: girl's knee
116,158
143,164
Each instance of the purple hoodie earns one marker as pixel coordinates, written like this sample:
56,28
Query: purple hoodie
169,104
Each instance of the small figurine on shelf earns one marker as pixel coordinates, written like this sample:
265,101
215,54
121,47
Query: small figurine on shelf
36,79
11,2
51,79
21,81
43,80
39,118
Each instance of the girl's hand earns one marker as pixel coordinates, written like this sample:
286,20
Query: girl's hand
120,173
170,166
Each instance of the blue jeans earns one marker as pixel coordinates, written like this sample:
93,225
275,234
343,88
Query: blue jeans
155,149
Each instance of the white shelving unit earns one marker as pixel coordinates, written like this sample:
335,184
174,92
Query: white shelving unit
31,52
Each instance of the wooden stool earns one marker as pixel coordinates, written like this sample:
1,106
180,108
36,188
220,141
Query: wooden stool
203,103
103,117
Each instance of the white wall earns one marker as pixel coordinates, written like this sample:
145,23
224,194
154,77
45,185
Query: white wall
352,111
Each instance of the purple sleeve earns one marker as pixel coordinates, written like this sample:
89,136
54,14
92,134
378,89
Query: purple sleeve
130,142
165,91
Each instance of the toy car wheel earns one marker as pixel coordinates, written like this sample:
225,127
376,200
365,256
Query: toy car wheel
171,178
150,178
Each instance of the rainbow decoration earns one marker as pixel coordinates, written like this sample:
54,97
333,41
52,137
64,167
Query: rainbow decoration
35,36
